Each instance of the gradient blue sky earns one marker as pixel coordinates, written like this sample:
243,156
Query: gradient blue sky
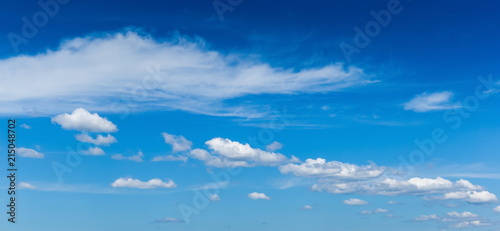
311,140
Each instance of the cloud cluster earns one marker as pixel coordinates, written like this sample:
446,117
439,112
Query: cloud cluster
320,168
126,182
456,220
228,153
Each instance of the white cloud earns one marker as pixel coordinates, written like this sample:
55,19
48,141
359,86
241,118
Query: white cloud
427,217
25,185
258,196
179,143
366,212
25,126
461,215
95,70
379,210
170,158
471,196
136,158
94,151
354,201
497,209
274,146
126,182
306,207
82,120
467,224
430,102
227,153
99,140
214,197
29,153
168,220
392,202
320,168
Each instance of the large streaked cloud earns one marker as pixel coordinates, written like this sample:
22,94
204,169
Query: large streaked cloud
126,182
29,153
179,143
335,169
430,102
458,190
147,73
82,120
228,153
99,140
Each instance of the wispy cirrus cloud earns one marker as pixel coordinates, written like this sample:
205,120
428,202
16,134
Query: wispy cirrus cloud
426,102
148,73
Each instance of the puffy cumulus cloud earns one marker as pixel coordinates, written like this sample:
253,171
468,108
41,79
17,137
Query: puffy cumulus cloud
170,158
227,153
168,220
497,209
430,102
354,201
29,153
126,182
94,151
82,120
24,185
179,143
258,196
320,168
99,140
214,197
471,196
456,219
274,146
136,158
146,73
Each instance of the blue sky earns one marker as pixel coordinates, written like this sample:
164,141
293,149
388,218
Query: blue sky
257,115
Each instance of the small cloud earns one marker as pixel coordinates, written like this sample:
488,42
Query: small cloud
467,224
306,207
430,102
497,209
136,158
94,151
258,196
179,143
325,108
25,126
354,201
126,182
170,158
82,120
168,220
392,202
214,197
24,185
427,217
379,210
274,146
365,212
462,215
29,153
99,140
